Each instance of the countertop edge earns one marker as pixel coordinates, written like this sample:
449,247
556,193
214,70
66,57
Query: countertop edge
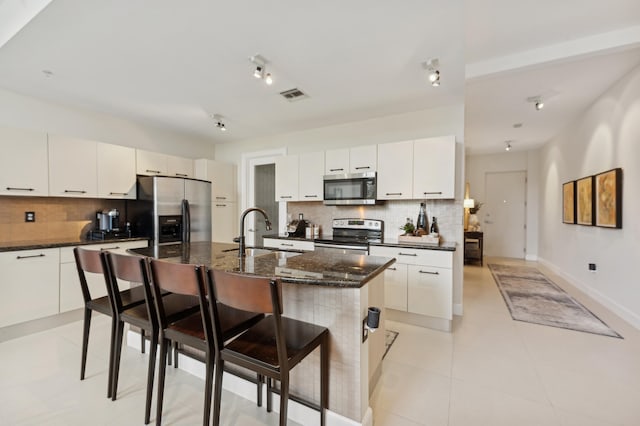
47,245
451,246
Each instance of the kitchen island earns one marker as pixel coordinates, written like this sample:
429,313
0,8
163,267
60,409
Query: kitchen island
332,290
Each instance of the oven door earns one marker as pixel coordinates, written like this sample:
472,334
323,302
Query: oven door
341,248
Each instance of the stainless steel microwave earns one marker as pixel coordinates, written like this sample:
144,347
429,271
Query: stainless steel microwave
350,189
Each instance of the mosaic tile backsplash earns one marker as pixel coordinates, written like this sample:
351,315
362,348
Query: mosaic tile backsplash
449,214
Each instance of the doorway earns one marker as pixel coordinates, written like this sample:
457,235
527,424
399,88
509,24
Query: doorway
258,180
505,214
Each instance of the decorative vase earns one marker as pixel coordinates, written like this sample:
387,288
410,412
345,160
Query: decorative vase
474,223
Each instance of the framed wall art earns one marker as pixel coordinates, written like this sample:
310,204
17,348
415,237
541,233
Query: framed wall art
569,202
584,201
608,199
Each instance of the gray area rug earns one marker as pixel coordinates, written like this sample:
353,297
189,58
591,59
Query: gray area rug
389,337
532,297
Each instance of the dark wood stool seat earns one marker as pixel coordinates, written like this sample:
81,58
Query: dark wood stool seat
91,261
273,346
196,330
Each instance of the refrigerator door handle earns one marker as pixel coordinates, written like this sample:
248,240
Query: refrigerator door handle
186,222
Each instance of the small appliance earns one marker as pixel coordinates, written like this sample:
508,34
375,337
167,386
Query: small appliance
297,227
350,189
108,220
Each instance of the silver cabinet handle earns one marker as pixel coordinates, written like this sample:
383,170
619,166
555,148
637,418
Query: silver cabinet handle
310,196
118,193
429,272
181,174
391,269
221,205
29,257
153,171
286,196
394,193
407,254
287,245
74,191
9,188
221,198
336,170
362,168
251,230
433,193
110,248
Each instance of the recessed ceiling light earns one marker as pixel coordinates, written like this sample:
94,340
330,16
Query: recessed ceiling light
268,79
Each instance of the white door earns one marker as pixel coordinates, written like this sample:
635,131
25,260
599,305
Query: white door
260,185
504,214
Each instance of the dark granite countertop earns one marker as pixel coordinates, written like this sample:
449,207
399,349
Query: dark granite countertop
324,269
44,244
388,242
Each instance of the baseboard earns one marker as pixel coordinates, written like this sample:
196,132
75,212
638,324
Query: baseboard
457,309
531,257
624,313
247,390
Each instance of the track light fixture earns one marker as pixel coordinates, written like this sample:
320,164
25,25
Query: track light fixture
539,105
433,74
508,146
260,71
219,123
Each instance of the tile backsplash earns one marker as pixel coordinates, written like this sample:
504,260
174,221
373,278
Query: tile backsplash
449,214
56,217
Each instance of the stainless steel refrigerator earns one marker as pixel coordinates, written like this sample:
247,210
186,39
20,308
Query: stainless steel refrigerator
172,209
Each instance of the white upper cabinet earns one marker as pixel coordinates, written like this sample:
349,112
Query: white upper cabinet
223,177
116,171
434,167
311,167
151,163
179,166
363,159
72,167
25,170
395,171
336,161
287,178
359,159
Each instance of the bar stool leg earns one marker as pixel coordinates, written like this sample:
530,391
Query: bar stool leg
284,398
161,376
324,379
112,348
85,341
116,359
217,391
150,373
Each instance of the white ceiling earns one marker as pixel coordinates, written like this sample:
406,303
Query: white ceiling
174,64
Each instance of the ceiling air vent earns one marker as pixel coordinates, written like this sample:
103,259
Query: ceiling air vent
294,94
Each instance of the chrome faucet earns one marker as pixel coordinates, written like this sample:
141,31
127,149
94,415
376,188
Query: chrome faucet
267,222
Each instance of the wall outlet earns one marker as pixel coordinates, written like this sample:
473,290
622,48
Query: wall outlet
29,216
592,267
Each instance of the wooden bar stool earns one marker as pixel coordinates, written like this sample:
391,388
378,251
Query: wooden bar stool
196,330
90,261
273,346
177,306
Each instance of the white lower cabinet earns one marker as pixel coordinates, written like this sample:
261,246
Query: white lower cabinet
395,287
28,285
420,282
288,244
70,293
429,291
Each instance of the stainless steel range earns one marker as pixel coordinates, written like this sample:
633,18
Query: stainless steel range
352,236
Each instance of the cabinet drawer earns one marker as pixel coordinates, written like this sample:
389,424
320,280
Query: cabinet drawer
411,256
429,291
288,244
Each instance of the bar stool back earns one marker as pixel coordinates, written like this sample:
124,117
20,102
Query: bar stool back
273,346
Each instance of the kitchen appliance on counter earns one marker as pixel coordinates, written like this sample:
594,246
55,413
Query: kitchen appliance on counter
297,227
108,226
350,189
172,209
352,236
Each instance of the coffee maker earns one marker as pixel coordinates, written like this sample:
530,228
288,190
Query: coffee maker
296,228
108,220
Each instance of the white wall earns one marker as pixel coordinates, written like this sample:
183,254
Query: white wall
606,136
419,124
30,113
477,166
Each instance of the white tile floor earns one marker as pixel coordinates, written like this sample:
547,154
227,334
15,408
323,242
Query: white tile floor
490,371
